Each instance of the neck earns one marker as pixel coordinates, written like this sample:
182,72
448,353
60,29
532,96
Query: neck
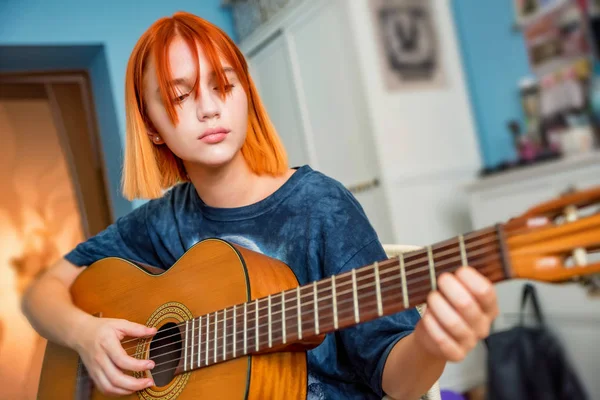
227,186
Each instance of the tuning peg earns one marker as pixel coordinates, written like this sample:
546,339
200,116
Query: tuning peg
571,197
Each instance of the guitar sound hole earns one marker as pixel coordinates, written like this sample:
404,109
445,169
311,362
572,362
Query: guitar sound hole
165,351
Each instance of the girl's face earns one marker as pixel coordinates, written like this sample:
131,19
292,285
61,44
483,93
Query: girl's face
210,130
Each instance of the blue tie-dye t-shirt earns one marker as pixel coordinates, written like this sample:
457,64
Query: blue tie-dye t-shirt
312,224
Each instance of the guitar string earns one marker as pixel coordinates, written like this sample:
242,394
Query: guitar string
424,288
277,329
252,311
389,263
421,252
417,289
293,299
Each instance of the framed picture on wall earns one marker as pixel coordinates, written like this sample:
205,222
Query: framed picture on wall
408,43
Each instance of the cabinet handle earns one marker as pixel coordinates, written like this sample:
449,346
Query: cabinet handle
363,186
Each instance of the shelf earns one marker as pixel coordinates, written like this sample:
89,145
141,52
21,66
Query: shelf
542,169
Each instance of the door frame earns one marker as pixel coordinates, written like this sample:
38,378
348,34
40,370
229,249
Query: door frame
94,204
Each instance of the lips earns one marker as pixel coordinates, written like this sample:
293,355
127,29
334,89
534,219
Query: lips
213,131
214,135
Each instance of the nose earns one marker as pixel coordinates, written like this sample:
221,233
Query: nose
208,105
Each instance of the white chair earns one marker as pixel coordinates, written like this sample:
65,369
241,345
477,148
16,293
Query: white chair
394,250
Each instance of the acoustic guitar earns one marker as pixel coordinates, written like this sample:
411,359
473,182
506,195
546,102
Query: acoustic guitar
235,324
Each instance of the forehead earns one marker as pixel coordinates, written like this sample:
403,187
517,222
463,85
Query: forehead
183,61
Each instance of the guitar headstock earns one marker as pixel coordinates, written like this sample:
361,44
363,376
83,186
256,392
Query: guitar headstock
558,240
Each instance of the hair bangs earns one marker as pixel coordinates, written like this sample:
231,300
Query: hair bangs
214,47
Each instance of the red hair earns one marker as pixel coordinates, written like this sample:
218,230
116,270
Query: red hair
149,169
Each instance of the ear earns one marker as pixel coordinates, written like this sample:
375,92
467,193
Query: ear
153,134
155,138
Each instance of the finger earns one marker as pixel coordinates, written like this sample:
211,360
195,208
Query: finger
448,346
135,330
124,361
120,380
481,288
106,387
461,299
451,321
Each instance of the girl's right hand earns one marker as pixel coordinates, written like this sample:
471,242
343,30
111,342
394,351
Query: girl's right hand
98,343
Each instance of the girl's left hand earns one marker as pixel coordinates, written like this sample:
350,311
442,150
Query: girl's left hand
458,314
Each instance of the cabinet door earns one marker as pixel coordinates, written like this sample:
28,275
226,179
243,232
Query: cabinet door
271,70
325,67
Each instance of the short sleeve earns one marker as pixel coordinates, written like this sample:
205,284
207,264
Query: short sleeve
126,238
369,344
352,242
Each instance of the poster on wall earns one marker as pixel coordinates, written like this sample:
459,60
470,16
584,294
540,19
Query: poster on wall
408,44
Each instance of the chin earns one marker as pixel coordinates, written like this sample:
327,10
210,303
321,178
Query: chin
215,160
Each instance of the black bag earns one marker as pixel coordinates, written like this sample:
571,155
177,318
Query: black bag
529,363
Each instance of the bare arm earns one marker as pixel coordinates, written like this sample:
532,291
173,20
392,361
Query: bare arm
50,310
48,307
409,371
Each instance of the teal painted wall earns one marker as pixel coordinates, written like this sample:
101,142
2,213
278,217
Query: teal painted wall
495,60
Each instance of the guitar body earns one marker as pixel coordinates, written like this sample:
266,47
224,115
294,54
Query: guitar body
212,275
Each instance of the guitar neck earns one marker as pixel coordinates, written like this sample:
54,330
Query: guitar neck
340,301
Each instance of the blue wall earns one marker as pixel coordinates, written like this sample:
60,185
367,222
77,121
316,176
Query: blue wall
495,60
98,36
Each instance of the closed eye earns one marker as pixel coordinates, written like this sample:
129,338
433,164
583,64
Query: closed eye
228,87
181,98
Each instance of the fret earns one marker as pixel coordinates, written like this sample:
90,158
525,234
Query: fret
256,324
215,337
192,348
283,306
316,307
378,289
463,252
355,297
199,340
269,320
234,330
224,334
334,297
299,312
185,349
403,277
207,336
431,268
245,328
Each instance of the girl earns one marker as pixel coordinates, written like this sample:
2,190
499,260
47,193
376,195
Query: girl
201,147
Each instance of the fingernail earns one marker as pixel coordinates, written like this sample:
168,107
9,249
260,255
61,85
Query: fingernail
151,383
150,365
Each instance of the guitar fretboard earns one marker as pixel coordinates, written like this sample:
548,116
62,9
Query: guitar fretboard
337,302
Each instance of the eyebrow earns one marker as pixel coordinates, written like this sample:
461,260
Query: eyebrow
185,81
175,82
225,70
